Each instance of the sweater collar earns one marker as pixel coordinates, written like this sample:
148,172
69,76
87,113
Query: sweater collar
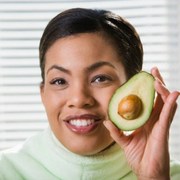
109,163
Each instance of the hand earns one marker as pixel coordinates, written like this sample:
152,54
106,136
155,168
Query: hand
147,148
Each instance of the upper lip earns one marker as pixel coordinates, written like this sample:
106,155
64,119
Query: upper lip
82,116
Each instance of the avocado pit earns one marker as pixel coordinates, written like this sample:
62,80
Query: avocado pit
130,107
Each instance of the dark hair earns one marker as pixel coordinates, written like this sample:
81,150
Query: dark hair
79,20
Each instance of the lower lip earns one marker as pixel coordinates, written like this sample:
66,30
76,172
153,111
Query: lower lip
82,129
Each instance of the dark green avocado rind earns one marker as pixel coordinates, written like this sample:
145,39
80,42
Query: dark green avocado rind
142,85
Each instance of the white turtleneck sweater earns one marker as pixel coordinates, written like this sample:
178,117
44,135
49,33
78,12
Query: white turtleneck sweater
43,157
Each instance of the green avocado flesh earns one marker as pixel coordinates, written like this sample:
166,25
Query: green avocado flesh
141,86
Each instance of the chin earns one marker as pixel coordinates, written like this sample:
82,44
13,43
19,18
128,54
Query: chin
88,149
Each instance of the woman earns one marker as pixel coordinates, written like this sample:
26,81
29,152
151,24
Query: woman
85,55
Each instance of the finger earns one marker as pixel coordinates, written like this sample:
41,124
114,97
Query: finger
117,134
155,72
168,110
162,94
161,89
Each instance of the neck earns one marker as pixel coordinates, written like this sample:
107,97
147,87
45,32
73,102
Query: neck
109,161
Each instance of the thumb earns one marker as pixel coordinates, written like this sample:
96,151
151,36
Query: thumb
118,135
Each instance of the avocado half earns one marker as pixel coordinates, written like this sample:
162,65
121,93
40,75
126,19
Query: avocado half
140,86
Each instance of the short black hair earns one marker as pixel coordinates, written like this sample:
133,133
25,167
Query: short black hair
81,20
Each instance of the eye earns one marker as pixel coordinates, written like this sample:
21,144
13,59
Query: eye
101,79
59,82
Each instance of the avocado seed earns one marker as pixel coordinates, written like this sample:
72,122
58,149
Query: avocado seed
130,107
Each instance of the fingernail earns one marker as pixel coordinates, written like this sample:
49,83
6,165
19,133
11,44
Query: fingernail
158,80
105,122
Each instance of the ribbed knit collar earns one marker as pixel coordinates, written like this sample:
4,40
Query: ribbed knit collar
109,163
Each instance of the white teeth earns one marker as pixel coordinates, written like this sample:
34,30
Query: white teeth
81,122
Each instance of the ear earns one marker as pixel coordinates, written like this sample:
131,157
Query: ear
42,92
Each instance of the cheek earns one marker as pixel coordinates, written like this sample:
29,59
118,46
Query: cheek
105,95
53,102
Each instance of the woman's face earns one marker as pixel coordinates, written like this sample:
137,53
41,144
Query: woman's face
81,74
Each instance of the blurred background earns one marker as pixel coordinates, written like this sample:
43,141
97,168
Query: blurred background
21,26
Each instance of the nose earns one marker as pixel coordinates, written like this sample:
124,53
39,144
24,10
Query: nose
81,97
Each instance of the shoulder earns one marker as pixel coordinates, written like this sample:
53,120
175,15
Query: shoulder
16,157
33,142
175,170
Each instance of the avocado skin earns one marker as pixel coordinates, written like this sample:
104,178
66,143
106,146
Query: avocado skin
142,85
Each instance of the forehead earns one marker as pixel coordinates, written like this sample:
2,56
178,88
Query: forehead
81,47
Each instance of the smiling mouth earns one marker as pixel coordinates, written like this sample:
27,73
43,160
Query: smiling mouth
83,124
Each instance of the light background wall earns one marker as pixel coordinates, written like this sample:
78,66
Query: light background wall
21,26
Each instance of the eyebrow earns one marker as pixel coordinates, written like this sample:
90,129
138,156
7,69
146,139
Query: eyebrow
98,65
60,68
91,68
